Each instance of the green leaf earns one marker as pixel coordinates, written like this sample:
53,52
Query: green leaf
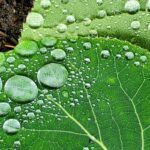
103,105
93,92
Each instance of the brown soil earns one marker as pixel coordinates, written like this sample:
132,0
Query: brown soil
12,15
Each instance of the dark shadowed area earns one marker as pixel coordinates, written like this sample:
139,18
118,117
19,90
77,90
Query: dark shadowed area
12,15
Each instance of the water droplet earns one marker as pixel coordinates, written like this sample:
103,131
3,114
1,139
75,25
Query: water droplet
1,84
61,28
87,45
35,20
132,6
87,85
148,5
11,126
137,63
87,21
10,60
17,109
49,41
65,94
58,54
4,108
21,89
43,50
101,14
53,75
40,102
99,2
143,58
135,25
31,115
118,56
45,4
26,48
70,19
17,144
105,53
85,148
87,60
129,55
21,66
125,47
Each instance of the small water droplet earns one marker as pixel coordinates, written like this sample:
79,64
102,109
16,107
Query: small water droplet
105,53
129,55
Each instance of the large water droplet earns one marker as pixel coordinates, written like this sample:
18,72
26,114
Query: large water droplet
21,89
26,48
11,126
35,20
53,75
4,108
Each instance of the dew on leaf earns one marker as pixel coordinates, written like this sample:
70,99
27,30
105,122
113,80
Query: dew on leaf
148,5
40,102
65,94
129,55
149,27
70,49
118,56
21,89
87,60
132,6
99,2
135,25
4,108
61,28
43,50
125,47
31,115
17,144
87,45
35,20
11,59
26,48
143,58
58,54
53,75
101,14
105,53
49,41
87,85
2,58
2,69
70,19
45,4
137,63
17,109
87,21
21,66
11,126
